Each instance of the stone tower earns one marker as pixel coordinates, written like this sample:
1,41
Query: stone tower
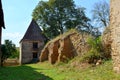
31,44
115,33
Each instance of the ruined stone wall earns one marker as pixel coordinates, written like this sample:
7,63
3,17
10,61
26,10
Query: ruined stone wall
66,50
44,54
53,51
65,47
115,33
58,50
79,41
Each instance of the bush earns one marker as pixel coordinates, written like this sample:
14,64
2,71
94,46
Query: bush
15,54
96,51
8,50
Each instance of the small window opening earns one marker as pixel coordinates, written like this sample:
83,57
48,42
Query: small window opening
35,45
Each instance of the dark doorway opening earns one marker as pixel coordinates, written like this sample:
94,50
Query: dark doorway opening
35,55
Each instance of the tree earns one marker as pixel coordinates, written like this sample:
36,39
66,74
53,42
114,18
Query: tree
57,16
8,49
101,13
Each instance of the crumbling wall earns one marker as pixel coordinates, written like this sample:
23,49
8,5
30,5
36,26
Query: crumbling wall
65,47
44,54
53,52
66,50
79,41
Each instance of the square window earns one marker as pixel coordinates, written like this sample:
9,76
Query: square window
35,45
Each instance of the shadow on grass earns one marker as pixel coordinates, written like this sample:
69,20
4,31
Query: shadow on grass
21,73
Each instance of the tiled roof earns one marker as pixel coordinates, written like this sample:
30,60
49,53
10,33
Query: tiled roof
33,33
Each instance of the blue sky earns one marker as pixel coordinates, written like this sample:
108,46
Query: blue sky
17,15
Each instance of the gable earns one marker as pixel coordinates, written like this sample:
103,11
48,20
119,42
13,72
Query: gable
33,33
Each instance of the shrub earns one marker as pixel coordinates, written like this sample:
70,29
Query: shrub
8,50
15,54
96,51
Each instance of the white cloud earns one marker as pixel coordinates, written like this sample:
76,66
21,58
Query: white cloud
14,36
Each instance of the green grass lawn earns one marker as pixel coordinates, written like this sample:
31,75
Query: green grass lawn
45,71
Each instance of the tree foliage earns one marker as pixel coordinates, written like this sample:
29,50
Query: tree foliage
57,16
8,49
101,13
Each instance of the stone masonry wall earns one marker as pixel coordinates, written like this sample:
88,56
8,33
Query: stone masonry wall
115,33
26,51
65,47
44,55
53,52
79,41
